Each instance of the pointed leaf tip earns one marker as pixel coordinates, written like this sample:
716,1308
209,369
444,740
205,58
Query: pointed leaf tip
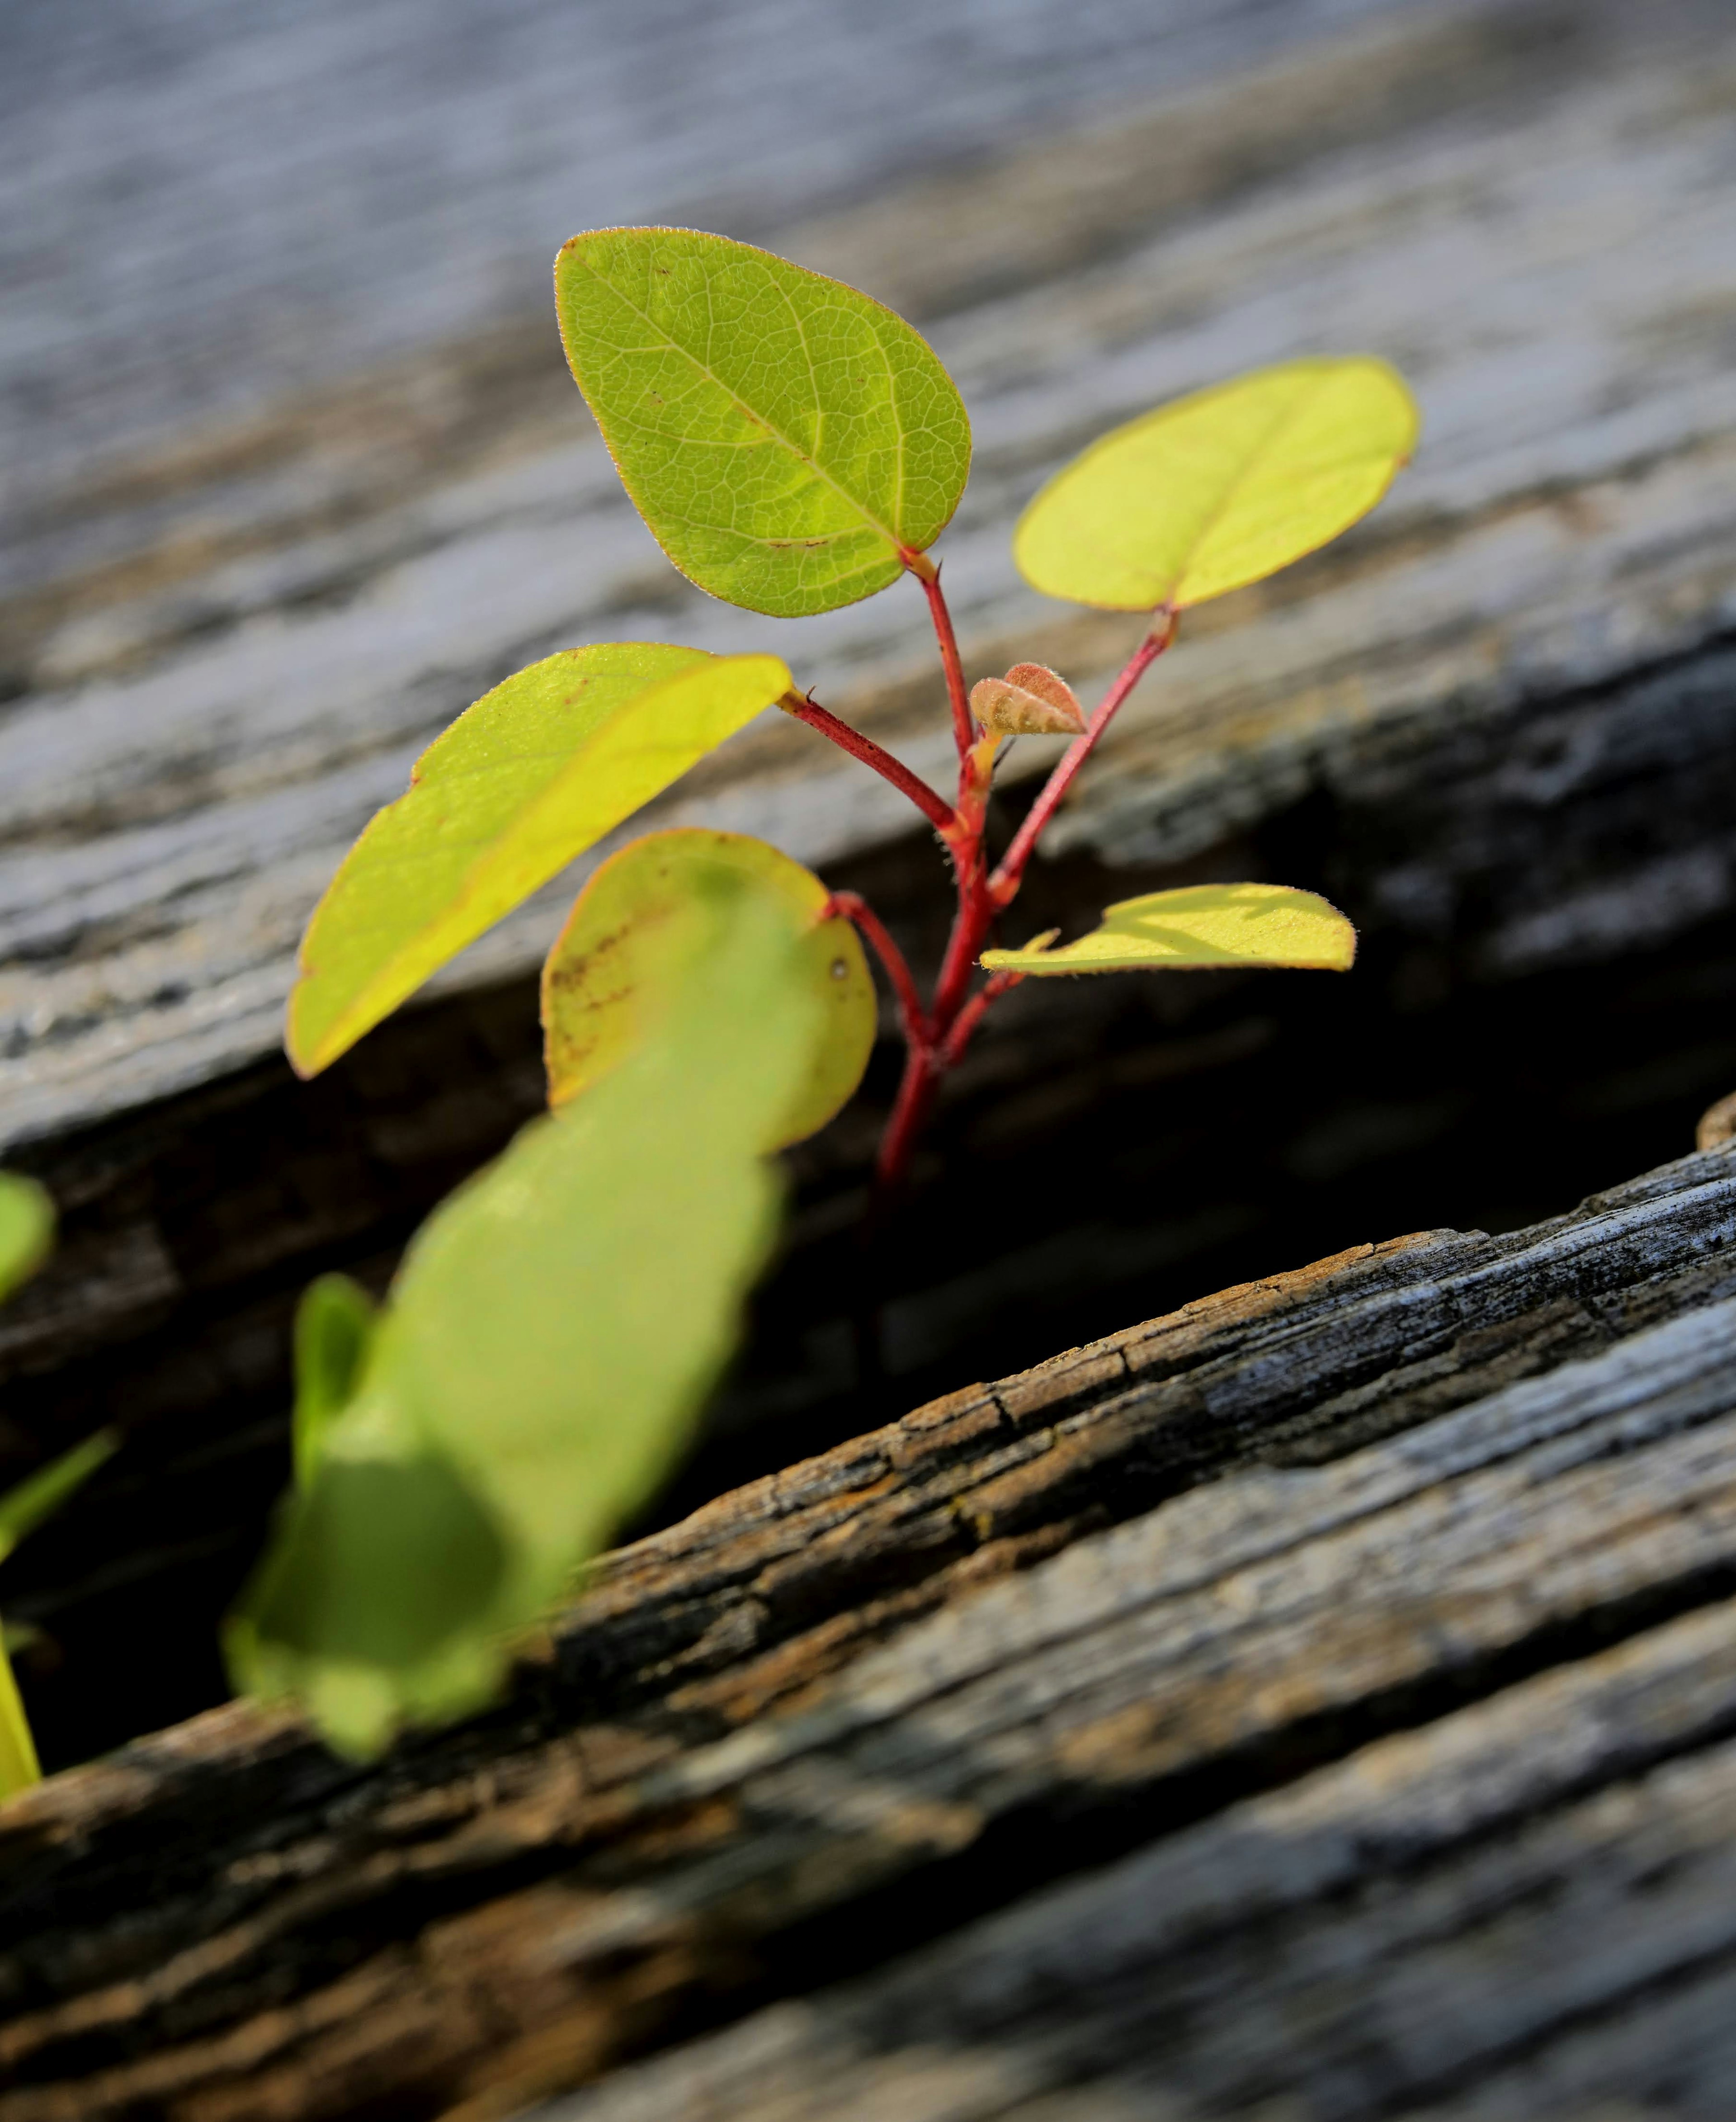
1221,488
1197,927
786,438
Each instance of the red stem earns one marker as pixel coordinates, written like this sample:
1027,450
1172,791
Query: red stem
854,908
1004,884
963,724
964,1024
934,806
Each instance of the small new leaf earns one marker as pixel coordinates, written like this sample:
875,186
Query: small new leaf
534,773
1221,488
26,1229
783,436
543,1357
1200,925
1029,701
608,973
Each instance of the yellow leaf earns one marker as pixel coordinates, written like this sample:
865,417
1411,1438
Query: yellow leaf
1200,925
534,773
1220,489
606,968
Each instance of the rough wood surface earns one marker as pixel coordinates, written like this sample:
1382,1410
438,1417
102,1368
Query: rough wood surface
232,635
1369,1624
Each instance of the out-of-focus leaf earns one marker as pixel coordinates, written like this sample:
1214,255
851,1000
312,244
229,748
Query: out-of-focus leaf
23,1509
26,1229
782,435
1220,489
40,1495
1031,700
543,1355
335,1331
1200,925
530,776
19,1767
609,971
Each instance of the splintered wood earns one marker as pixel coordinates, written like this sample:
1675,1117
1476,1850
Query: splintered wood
1362,1637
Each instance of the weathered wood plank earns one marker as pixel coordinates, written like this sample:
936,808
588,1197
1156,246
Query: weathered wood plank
1527,207
1530,1898
1031,1627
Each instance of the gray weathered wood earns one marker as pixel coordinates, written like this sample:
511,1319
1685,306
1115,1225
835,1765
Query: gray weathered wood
1368,1622
231,645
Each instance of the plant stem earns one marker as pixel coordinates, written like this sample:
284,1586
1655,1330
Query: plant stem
1004,884
933,805
854,908
963,725
964,1024
935,1039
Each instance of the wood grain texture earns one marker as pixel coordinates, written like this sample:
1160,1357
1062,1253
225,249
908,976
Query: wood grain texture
229,643
1440,1530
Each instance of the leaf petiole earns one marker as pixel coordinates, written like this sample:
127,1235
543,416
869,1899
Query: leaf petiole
963,722
933,805
1003,885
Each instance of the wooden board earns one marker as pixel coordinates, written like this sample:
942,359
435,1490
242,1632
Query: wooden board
231,634
1362,1637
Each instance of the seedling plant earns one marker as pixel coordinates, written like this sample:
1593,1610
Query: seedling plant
794,448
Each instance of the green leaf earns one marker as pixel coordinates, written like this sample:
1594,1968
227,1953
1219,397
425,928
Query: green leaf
335,1331
530,776
609,970
783,436
1200,925
543,1355
26,1229
40,1495
19,1767
1221,488
23,1509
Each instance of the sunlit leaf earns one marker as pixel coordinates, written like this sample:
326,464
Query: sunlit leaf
544,1354
1031,700
608,971
335,1331
539,769
1200,925
26,1229
782,435
1220,489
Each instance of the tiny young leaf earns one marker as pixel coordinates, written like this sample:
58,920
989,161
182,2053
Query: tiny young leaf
1220,489
1199,925
534,773
335,1331
1029,701
26,1229
783,436
542,1356
607,975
